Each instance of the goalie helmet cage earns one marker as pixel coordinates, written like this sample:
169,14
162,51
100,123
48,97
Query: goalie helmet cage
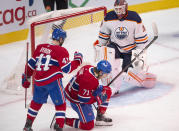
74,17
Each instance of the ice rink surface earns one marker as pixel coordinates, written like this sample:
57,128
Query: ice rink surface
134,109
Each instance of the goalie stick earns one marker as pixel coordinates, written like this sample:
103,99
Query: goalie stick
155,31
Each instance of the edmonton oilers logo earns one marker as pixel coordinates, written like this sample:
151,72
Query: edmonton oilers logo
121,32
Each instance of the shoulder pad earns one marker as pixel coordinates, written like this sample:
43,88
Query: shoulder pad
111,16
134,16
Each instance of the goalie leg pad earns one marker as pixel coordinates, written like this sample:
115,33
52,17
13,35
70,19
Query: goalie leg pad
149,81
141,78
99,53
116,68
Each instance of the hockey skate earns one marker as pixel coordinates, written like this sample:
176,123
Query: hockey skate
102,120
28,125
56,127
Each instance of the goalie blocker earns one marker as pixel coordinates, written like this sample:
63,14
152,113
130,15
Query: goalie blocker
136,76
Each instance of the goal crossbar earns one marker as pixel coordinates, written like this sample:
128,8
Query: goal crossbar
32,26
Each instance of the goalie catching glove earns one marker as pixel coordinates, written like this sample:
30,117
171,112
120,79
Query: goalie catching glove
78,56
25,81
141,62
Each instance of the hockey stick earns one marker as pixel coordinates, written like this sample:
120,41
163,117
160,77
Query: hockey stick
155,31
52,122
27,55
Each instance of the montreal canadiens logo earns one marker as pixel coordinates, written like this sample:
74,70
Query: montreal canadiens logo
121,33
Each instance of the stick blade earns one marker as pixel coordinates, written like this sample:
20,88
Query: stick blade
155,29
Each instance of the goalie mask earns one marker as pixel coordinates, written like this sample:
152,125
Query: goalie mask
120,7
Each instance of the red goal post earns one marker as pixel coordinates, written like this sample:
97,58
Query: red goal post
68,16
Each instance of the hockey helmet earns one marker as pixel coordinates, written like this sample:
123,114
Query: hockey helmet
120,7
104,66
58,33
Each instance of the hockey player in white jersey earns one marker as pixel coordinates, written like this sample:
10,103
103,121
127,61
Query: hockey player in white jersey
121,32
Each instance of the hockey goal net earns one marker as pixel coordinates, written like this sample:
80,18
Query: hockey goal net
40,28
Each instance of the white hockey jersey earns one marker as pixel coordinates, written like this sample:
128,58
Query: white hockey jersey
128,33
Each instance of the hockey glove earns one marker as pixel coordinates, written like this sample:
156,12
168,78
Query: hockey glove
25,81
78,56
97,93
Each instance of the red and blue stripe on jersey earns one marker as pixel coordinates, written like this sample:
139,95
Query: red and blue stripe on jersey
80,87
49,62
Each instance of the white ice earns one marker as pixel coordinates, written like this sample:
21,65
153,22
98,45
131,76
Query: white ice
161,114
